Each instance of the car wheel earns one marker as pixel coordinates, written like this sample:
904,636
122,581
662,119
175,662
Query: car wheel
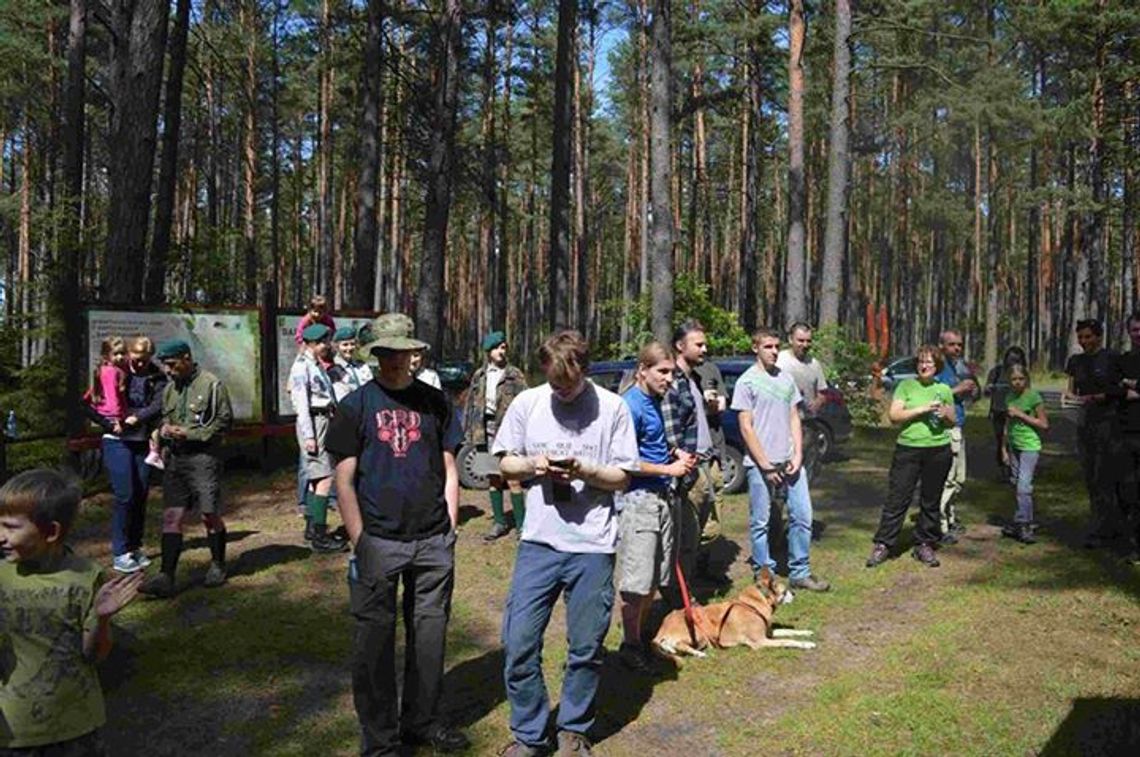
732,468
823,437
466,460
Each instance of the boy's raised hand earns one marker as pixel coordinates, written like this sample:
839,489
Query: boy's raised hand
117,593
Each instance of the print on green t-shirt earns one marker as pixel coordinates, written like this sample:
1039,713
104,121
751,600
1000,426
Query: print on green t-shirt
1022,436
926,430
48,691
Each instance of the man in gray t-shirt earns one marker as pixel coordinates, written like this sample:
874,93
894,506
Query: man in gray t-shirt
767,400
574,445
804,367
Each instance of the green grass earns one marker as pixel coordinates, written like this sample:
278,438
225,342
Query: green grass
1005,649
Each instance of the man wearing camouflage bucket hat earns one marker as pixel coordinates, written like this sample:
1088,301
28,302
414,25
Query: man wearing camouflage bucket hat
395,440
493,387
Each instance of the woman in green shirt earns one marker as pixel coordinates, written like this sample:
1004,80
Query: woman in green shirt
925,409
1025,422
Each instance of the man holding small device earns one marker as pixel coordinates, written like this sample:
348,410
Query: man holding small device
573,445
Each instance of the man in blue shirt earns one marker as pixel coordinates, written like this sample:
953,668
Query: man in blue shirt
956,375
647,529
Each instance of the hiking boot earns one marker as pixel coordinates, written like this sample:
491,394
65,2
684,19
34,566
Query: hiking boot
635,658
948,539
519,749
215,576
310,529
440,738
924,553
879,555
327,544
498,531
957,528
1010,530
810,583
570,743
160,586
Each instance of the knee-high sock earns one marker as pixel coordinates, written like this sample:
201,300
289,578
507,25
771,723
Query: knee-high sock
318,505
171,549
497,507
518,506
217,542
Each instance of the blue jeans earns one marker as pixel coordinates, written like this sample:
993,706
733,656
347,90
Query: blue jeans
799,523
130,482
541,574
1022,464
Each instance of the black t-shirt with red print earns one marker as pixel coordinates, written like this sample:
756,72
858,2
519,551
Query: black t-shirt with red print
398,438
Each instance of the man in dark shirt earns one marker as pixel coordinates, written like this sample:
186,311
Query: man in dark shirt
395,440
1094,384
1130,431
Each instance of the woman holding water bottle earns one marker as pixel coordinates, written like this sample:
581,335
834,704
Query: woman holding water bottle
925,409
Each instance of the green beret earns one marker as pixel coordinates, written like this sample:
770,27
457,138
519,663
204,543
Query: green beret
172,348
493,340
315,332
344,333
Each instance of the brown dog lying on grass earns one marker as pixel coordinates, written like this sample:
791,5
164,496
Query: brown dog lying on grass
745,620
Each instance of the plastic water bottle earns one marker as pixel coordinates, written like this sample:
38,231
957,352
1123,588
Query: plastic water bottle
10,429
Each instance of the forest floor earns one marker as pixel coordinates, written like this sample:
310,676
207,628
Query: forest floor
1005,649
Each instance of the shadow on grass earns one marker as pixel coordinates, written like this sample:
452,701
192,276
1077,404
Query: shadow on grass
255,560
1096,727
199,542
623,695
469,512
473,688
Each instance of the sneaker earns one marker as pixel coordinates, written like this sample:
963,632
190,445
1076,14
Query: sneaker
440,738
519,749
154,460
160,586
879,555
1025,534
141,558
810,583
498,531
215,576
570,743
948,539
957,528
634,657
1010,530
125,563
924,553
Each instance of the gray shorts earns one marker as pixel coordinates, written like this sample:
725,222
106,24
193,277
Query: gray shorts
320,465
193,481
645,542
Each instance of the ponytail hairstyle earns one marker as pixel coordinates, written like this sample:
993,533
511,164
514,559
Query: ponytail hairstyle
110,345
1019,368
650,354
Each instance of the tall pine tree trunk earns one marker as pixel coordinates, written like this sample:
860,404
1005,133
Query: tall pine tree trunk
838,166
430,289
366,239
71,246
795,302
559,312
168,159
660,128
248,18
138,41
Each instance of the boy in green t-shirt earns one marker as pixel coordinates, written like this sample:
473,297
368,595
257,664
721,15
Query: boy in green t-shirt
55,622
1025,420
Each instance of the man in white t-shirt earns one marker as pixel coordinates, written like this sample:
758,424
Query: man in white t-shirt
803,366
575,445
767,400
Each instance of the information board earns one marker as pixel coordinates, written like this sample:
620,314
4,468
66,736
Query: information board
224,342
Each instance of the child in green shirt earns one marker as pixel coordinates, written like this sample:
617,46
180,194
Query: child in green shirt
1025,420
55,622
